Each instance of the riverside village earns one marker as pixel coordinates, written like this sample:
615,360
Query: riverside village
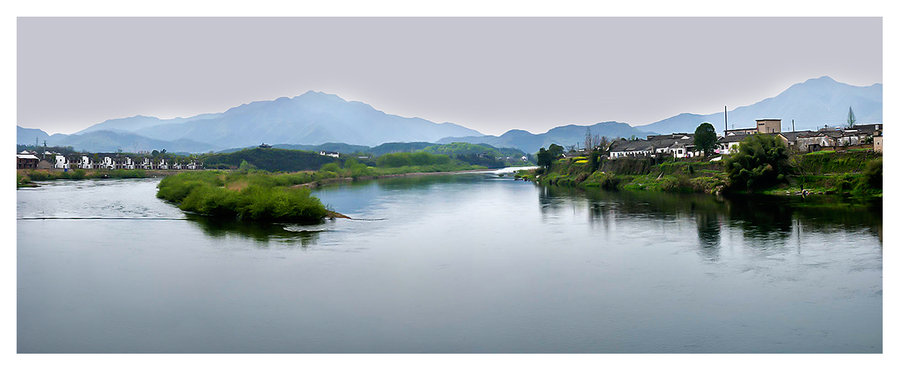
675,145
681,145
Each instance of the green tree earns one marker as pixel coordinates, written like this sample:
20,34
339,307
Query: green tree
594,161
851,118
544,158
246,166
761,161
705,138
556,150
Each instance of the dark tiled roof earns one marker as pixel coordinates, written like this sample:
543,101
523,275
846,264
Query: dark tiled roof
733,138
867,129
630,145
656,141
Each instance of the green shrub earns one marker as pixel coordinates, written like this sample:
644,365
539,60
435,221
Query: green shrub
246,166
872,175
761,162
844,183
332,167
22,179
676,184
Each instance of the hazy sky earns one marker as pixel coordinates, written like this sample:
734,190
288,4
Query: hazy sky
489,74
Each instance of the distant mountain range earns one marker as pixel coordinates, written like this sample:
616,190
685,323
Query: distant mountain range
562,135
311,118
315,118
811,104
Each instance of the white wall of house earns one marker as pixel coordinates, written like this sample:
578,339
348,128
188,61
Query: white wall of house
107,163
619,154
727,148
61,162
86,163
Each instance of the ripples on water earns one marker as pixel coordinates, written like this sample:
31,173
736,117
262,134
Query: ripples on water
94,199
463,263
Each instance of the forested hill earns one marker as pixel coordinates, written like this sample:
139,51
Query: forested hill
270,159
279,159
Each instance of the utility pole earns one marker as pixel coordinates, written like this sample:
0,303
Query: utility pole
792,125
726,119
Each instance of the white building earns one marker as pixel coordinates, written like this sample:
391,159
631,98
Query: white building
86,163
61,162
107,163
128,163
146,164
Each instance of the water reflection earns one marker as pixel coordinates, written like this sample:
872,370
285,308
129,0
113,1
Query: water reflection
406,183
264,233
574,272
765,220
355,198
761,218
709,232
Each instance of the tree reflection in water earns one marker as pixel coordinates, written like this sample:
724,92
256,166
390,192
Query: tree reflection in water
709,232
259,232
768,221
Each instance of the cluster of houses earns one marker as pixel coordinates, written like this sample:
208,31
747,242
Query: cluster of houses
109,161
681,145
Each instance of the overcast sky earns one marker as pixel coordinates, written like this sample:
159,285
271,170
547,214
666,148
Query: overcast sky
489,74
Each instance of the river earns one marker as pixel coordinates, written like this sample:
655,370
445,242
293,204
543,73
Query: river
458,263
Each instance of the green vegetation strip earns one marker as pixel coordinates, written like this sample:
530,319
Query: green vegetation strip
762,165
26,178
243,196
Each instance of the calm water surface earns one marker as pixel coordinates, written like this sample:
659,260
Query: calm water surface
462,263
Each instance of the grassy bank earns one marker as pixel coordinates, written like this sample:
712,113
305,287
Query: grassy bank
26,178
852,173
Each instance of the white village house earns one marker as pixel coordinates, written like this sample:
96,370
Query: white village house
61,162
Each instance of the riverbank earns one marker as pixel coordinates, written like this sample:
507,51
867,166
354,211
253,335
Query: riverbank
852,173
27,177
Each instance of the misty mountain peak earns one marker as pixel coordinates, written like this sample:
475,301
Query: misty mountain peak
313,94
821,79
